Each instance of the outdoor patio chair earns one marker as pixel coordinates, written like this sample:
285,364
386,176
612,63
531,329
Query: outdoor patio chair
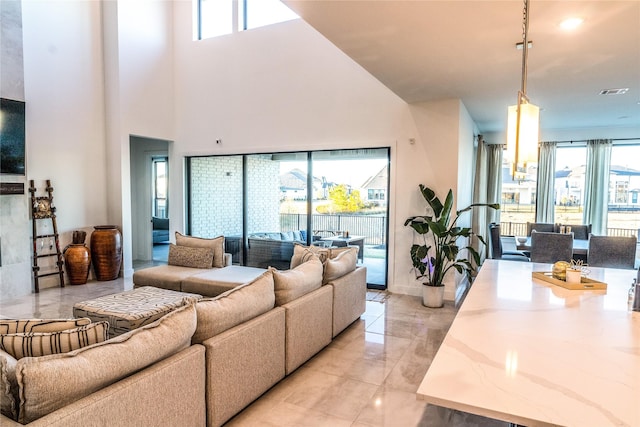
612,251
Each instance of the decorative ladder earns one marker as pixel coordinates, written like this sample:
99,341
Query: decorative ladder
42,209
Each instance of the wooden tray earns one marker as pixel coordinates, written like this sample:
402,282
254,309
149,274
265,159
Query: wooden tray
585,282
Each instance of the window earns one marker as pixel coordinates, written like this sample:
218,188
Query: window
219,17
569,184
623,218
160,203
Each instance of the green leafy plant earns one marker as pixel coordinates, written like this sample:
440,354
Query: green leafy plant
439,250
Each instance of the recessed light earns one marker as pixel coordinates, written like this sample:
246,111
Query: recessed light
571,23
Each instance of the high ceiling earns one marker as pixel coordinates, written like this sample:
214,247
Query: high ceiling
427,50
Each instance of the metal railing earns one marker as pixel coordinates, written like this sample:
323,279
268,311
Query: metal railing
372,227
520,229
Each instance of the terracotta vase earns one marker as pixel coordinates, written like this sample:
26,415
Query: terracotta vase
106,252
77,261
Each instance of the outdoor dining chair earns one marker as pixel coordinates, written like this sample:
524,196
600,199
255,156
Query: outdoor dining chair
551,247
612,251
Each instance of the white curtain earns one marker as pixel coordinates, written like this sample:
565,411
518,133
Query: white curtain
487,188
596,197
545,194
494,184
479,216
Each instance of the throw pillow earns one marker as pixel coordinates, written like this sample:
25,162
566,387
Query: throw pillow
302,253
238,305
13,326
8,385
187,256
217,244
334,252
299,281
36,344
342,264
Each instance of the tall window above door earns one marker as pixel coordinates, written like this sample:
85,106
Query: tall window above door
219,17
160,200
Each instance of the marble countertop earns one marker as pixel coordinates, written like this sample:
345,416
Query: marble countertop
532,353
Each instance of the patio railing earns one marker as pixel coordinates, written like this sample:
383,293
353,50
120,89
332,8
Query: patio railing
373,226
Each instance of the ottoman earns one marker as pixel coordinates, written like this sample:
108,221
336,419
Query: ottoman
215,281
132,309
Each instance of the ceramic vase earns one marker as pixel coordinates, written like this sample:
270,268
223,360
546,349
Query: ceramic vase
106,252
432,296
77,261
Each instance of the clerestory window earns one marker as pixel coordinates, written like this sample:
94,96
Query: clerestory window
219,17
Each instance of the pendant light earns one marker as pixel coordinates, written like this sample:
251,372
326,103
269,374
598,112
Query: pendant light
523,118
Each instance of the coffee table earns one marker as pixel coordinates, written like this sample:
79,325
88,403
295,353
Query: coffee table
132,309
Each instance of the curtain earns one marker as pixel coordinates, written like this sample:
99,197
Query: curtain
545,194
596,194
487,188
494,185
478,216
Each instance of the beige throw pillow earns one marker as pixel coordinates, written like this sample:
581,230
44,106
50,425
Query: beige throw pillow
13,326
217,244
294,283
302,254
342,264
186,256
238,305
36,344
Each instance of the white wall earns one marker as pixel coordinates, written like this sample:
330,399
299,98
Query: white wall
65,123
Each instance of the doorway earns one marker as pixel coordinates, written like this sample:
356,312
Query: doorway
149,168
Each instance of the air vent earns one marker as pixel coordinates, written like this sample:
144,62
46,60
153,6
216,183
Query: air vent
620,91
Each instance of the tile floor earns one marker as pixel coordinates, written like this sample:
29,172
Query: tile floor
367,376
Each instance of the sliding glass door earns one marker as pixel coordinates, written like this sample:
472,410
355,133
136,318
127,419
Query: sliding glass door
265,203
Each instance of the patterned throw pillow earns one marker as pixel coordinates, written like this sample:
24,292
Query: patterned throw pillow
13,326
217,244
35,344
186,256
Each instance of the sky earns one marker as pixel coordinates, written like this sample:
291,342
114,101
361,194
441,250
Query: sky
621,155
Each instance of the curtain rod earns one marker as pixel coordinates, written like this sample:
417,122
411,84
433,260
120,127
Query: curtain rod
585,140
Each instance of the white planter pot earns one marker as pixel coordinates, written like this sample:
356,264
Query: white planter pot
432,296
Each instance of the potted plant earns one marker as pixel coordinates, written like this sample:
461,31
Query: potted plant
438,251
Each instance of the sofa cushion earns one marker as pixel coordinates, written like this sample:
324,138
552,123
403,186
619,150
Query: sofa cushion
217,244
35,344
245,302
297,235
302,253
287,236
52,382
164,276
13,326
273,236
8,385
342,264
296,282
187,256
